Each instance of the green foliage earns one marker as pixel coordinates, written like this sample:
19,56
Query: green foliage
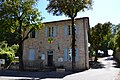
6,52
117,39
114,42
99,36
69,8
15,48
11,38
18,16
95,38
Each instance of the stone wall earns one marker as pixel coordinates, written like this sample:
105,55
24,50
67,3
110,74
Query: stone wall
60,42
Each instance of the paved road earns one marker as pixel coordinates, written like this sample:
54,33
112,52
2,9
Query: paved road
106,70
12,75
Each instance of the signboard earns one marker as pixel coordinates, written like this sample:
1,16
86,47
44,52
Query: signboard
43,56
2,61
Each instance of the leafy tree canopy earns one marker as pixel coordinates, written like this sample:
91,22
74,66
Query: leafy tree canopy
15,13
17,16
117,39
6,52
99,36
69,8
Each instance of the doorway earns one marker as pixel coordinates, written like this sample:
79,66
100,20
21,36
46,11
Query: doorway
50,58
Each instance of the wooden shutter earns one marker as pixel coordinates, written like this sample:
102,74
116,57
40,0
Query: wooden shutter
36,34
46,31
31,54
55,31
65,30
77,55
76,29
65,54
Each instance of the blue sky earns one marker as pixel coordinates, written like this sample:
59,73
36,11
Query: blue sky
103,11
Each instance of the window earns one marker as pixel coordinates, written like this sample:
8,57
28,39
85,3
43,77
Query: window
68,30
31,54
51,31
34,34
68,54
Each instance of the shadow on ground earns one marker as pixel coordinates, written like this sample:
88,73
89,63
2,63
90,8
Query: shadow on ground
34,75
96,65
116,65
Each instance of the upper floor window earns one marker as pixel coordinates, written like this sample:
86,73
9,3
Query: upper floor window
34,34
51,31
68,29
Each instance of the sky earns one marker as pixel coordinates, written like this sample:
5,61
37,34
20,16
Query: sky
103,11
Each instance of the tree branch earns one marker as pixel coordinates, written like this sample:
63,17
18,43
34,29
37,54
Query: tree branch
26,37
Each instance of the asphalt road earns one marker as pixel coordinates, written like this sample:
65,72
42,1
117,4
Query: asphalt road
105,70
108,71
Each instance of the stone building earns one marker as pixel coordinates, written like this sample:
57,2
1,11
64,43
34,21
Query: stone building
51,45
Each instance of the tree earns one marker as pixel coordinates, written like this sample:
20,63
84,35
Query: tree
69,8
106,32
99,37
7,53
114,39
117,39
18,15
8,36
95,38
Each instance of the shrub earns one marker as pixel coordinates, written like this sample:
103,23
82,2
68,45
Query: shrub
8,56
6,53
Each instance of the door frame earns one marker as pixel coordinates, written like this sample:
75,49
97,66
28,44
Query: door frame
50,57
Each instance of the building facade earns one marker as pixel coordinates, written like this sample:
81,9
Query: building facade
51,45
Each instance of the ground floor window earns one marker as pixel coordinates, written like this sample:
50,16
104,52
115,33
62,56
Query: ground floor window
68,54
31,54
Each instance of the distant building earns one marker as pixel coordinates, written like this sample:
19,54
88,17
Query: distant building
51,45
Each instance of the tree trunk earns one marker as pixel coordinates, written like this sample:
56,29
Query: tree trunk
20,50
73,45
105,53
21,66
96,56
114,52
